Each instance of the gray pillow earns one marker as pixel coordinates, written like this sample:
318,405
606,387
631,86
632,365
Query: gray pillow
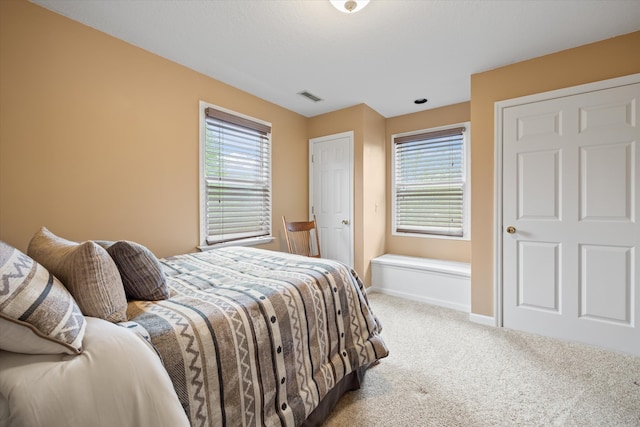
140,270
37,314
86,270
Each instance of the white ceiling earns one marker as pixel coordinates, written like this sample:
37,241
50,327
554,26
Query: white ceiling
385,56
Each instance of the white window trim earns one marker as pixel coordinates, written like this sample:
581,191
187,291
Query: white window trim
467,184
203,246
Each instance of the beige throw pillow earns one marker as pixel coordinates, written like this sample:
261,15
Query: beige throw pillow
86,270
37,314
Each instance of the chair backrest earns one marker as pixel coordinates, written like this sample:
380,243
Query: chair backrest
302,237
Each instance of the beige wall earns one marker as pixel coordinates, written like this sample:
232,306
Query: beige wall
454,250
611,58
373,189
99,139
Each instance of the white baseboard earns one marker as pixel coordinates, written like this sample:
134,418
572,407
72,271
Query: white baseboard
482,319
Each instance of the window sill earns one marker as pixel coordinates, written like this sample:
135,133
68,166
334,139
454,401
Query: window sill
244,242
466,237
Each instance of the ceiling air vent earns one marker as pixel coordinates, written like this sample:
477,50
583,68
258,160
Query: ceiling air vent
310,96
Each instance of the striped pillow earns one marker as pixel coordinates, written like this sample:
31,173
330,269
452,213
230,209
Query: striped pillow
37,314
141,272
86,270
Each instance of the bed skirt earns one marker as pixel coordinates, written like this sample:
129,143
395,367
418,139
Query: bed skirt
351,382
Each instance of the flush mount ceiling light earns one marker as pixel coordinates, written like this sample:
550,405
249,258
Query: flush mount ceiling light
349,6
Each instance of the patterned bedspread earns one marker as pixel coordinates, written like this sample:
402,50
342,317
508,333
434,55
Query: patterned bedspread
255,337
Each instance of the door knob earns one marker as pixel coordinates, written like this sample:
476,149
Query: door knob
511,229
345,221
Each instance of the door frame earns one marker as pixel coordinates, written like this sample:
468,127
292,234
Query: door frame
498,165
350,135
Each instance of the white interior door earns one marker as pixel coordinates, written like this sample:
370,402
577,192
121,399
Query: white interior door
331,194
570,200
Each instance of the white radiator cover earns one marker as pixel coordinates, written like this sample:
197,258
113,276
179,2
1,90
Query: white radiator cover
437,282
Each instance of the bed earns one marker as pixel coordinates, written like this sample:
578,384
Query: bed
240,337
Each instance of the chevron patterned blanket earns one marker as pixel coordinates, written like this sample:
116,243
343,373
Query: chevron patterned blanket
255,337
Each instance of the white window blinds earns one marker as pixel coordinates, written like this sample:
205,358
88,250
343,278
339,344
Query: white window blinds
237,177
429,182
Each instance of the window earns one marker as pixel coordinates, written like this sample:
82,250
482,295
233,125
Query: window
430,183
236,177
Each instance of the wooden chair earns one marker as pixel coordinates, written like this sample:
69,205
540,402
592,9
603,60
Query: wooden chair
302,237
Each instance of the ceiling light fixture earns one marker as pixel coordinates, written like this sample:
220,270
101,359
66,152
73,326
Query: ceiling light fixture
349,6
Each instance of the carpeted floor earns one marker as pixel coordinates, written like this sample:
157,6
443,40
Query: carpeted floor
444,370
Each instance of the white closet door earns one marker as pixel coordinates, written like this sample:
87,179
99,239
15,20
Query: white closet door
570,206
331,194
